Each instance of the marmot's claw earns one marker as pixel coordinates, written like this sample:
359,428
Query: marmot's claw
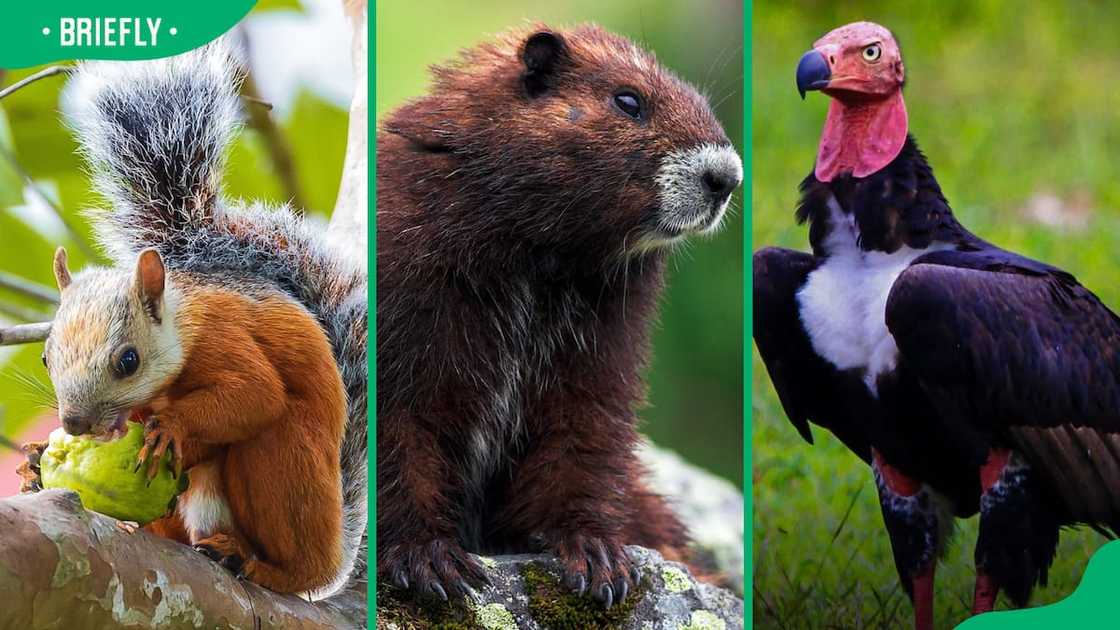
439,568
577,583
437,590
606,596
621,588
596,566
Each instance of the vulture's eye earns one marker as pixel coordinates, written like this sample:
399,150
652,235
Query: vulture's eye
872,52
629,103
127,363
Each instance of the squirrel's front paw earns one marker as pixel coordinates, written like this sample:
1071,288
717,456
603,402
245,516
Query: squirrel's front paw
159,436
28,471
596,566
438,568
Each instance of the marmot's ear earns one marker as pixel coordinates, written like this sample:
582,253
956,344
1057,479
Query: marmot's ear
542,53
150,282
61,271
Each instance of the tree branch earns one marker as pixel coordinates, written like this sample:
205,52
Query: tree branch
24,333
42,74
28,288
64,566
30,183
260,118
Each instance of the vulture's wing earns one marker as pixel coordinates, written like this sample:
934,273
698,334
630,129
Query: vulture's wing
1014,351
809,388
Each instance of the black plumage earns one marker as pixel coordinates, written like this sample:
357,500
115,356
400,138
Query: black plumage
994,351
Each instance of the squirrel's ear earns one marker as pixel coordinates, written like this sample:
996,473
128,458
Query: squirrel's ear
61,271
150,277
542,53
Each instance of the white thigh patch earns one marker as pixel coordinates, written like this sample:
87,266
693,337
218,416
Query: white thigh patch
203,508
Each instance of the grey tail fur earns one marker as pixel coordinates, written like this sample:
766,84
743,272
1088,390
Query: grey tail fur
155,134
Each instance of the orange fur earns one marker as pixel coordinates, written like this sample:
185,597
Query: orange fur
260,408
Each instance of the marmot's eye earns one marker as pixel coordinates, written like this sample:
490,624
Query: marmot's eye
127,363
872,52
629,103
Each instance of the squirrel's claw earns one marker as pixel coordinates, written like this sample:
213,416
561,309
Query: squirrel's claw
128,527
28,471
158,439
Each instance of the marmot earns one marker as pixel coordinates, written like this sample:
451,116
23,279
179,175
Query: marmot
525,209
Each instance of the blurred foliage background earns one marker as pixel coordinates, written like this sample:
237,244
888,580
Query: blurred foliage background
1015,105
696,391
307,80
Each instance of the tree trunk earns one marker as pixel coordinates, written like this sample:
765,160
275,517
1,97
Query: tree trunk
62,566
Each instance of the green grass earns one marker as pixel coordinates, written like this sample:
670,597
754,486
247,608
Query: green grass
1010,101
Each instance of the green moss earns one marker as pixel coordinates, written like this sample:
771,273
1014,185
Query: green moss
675,580
409,612
494,617
703,620
554,607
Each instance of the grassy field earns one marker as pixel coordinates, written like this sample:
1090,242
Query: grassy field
1015,105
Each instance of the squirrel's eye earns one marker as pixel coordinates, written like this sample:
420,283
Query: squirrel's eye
629,103
44,357
872,52
128,363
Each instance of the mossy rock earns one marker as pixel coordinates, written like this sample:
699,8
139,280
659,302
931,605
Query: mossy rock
410,612
554,606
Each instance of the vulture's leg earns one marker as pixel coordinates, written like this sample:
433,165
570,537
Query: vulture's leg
918,522
1018,534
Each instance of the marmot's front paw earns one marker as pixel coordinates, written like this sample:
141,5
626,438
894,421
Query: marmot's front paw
159,436
596,566
437,568
28,471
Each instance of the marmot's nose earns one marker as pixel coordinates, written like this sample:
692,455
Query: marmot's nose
76,424
718,184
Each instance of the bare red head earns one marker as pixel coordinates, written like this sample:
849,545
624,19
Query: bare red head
860,66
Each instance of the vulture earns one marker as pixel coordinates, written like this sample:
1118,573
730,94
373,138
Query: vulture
970,378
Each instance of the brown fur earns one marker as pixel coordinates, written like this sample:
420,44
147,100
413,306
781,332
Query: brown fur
260,398
514,315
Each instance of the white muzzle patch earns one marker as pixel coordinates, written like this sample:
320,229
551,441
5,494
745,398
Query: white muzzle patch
695,187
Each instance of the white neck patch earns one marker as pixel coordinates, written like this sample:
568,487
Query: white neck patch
843,303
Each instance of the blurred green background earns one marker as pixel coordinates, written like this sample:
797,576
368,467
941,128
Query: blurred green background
696,391
1016,106
38,159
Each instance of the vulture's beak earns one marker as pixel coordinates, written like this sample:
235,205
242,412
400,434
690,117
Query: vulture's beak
812,72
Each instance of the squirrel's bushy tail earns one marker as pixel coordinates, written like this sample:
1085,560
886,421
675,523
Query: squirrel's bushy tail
155,134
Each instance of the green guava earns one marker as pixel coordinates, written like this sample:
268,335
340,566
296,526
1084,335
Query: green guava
103,475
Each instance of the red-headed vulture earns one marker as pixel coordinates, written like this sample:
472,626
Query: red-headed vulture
971,378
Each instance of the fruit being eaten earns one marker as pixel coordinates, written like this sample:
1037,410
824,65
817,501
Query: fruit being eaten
104,474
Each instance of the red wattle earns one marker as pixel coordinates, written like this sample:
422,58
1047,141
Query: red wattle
861,137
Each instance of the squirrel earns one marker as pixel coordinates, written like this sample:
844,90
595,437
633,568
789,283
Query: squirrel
233,330
526,208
